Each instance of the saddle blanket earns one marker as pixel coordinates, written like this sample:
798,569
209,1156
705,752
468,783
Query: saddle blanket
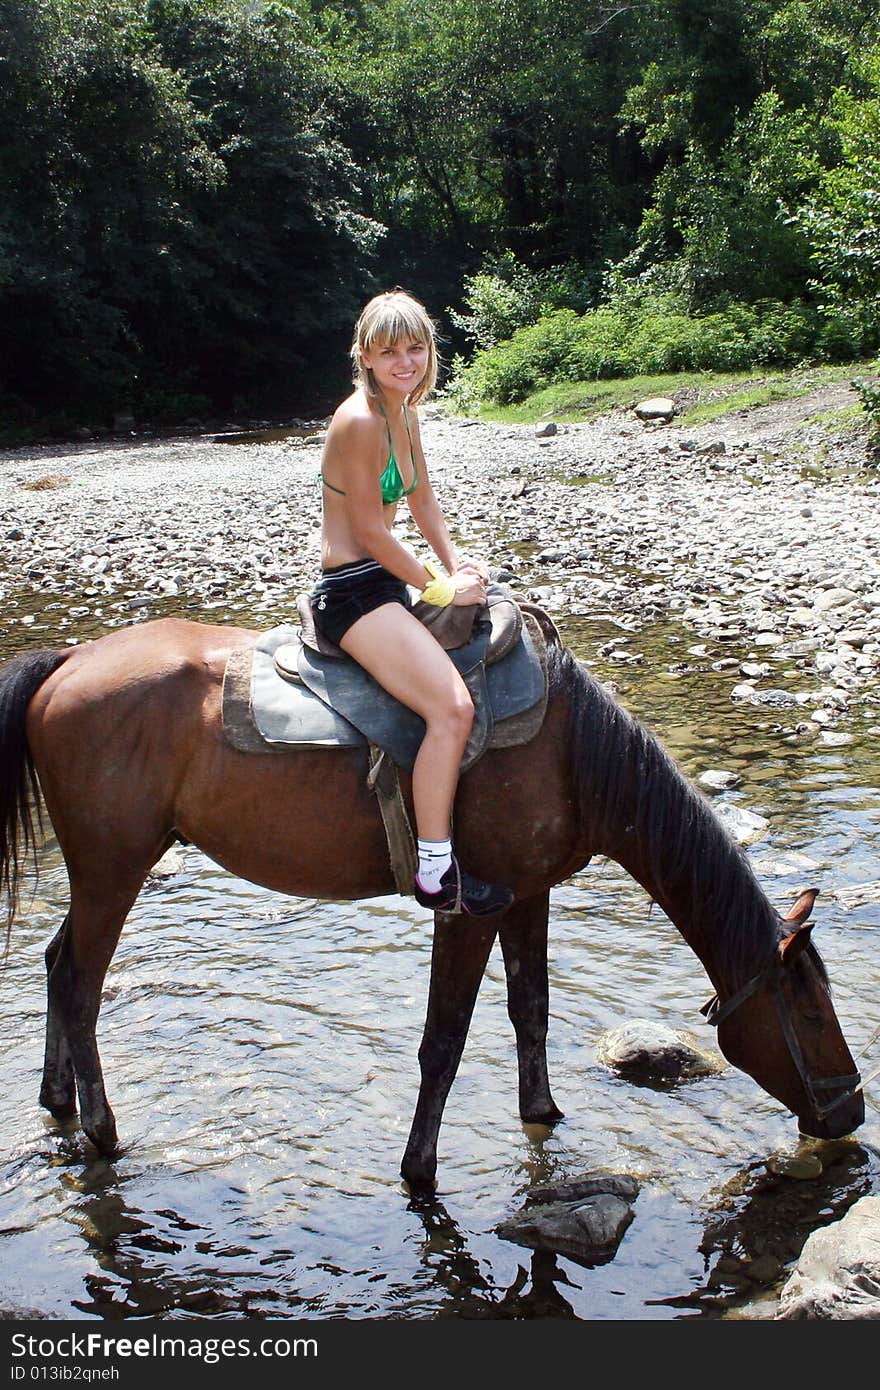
282,694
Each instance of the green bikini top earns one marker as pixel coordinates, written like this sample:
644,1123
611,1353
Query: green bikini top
390,483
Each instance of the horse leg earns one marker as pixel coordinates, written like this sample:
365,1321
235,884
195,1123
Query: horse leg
84,949
523,936
458,962
58,1088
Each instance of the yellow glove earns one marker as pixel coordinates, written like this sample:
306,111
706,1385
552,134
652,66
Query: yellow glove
440,592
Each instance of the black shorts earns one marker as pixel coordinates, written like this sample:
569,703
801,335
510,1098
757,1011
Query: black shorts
345,593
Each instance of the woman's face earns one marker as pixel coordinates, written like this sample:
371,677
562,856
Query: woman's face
397,367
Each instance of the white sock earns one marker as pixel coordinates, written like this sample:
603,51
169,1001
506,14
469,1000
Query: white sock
435,856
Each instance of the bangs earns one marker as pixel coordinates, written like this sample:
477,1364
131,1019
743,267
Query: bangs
392,322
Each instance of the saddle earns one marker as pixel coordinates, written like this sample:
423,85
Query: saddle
294,689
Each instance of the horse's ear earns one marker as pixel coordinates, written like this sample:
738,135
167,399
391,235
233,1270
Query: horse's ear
802,908
792,946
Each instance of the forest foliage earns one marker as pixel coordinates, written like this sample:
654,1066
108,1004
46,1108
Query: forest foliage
198,195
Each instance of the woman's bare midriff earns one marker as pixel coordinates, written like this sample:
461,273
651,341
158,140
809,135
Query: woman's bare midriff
338,545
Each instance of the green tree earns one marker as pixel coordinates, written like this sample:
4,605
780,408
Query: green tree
715,52
841,221
197,195
179,221
741,150
491,127
104,146
278,248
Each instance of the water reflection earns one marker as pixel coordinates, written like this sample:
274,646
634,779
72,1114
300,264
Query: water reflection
535,1292
761,1219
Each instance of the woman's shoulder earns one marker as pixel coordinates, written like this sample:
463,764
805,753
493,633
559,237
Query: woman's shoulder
356,423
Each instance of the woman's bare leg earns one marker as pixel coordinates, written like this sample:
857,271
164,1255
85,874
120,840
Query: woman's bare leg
410,664
400,653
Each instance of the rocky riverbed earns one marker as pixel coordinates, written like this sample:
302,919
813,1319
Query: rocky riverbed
757,533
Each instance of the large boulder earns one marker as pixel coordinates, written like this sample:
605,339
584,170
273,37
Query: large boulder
838,1273
657,408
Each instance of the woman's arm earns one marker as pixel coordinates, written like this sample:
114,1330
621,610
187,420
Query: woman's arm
429,518
428,515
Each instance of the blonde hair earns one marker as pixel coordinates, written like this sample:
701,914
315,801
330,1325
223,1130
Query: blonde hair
386,319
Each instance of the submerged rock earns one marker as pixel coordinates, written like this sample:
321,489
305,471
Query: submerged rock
583,1220
719,779
645,1051
800,1167
745,826
172,862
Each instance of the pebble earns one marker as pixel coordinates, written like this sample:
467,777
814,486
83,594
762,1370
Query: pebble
717,779
745,826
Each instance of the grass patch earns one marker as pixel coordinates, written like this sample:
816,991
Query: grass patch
850,419
782,386
746,397
589,480
571,401
700,396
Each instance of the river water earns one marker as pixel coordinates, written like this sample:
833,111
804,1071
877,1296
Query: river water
260,1053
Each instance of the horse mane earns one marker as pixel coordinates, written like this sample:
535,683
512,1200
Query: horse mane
629,789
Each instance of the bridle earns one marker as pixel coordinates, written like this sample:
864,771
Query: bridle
715,1012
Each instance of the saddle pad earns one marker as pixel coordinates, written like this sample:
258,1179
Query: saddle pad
289,711
284,713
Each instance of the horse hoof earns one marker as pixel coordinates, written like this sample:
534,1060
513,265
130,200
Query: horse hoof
105,1142
420,1179
547,1116
422,1192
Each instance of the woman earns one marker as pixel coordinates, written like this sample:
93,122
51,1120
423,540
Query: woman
373,460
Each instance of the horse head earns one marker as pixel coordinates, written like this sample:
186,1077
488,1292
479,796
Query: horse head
781,1028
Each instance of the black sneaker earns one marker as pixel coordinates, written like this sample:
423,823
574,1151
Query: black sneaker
461,892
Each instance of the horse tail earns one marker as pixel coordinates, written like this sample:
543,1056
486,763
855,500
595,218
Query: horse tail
20,806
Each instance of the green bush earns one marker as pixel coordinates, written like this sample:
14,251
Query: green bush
506,295
868,391
647,336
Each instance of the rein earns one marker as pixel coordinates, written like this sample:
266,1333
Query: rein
715,1012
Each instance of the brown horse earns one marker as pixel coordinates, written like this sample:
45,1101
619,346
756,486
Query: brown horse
124,738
